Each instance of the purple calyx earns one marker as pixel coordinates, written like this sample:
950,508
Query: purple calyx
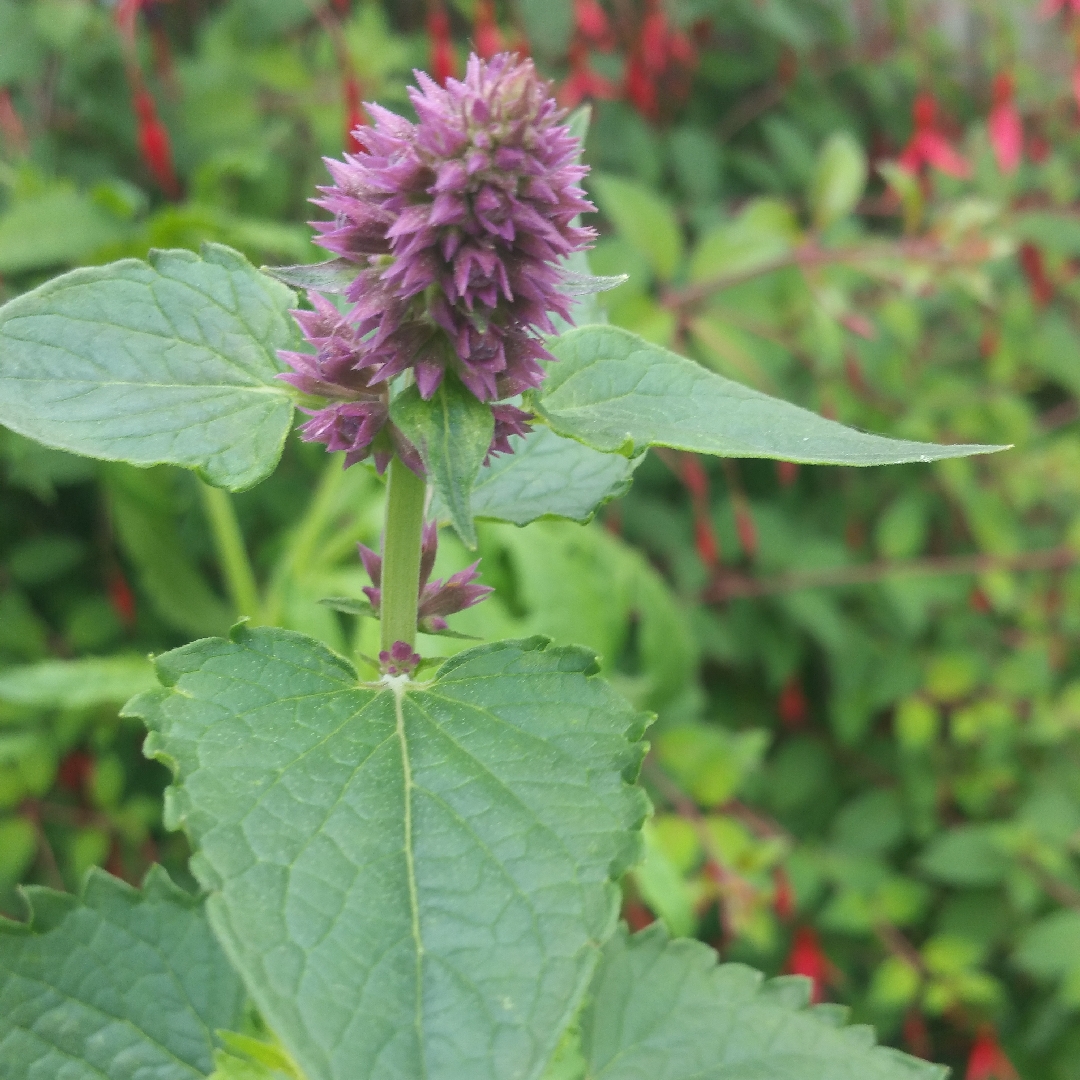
437,598
399,659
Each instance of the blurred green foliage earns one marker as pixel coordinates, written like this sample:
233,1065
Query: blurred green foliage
867,681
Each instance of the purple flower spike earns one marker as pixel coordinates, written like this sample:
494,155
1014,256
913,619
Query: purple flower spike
437,598
457,226
399,660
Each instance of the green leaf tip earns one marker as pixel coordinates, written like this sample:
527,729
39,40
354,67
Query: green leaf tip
390,814
663,1009
617,393
169,361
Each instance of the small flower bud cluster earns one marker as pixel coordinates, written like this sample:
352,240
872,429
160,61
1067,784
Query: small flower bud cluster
437,598
456,226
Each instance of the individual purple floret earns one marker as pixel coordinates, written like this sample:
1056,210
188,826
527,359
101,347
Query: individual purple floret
437,598
399,659
457,224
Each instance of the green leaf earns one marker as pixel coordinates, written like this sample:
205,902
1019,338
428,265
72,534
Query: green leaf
413,879
76,684
644,219
970,856
615,392
549,25
453,433
547,477
173,362
664,1010
55,228
1050,948
839,179
144,507
119,985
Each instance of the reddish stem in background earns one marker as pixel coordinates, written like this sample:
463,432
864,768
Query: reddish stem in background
1031,262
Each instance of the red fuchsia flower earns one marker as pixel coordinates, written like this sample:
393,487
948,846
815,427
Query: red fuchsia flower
592,23
486,35
660,50
928,146
154,144
443,61
1006,128
355,119
792,705
988,1061
456,226
808,958
437,598
1049,8
583,83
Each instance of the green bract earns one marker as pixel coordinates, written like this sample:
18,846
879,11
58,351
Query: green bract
118,984
172,361
413,880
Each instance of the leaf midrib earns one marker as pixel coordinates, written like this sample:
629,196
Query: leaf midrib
398,689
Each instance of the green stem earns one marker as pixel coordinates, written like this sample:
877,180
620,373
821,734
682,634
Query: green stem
231,551
401,554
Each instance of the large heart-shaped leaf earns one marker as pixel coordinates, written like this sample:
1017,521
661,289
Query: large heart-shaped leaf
546,476
615,391
172,361
664,1010
413,879
120,985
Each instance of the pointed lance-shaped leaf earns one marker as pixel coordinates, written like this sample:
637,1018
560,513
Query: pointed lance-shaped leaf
616,392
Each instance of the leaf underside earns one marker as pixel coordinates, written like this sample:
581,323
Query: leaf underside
616,392
171,361
665,1010
413,882
120,984
546,476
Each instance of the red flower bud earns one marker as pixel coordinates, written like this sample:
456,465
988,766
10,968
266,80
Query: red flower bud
355,117
154,144
807,958
443,61
792,705
783,895
122,599
592,22
787,472
987,1060
486,36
